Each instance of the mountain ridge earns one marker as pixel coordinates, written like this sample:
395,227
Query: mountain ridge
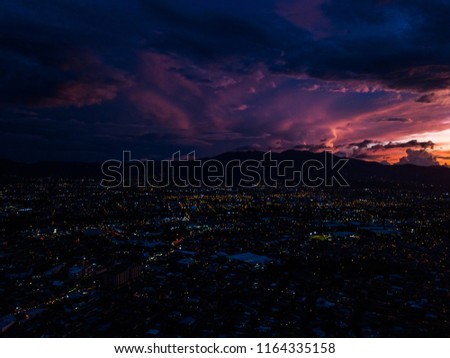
357,171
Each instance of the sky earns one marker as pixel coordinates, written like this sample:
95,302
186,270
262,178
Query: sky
85,80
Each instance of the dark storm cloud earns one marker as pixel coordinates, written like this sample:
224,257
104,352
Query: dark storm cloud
47,52
426,98
363,144
374,39
374,146
410,144
145,74
209,32
395,119
399,43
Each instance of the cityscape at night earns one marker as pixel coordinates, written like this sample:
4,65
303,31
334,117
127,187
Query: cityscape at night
79,260
228,169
